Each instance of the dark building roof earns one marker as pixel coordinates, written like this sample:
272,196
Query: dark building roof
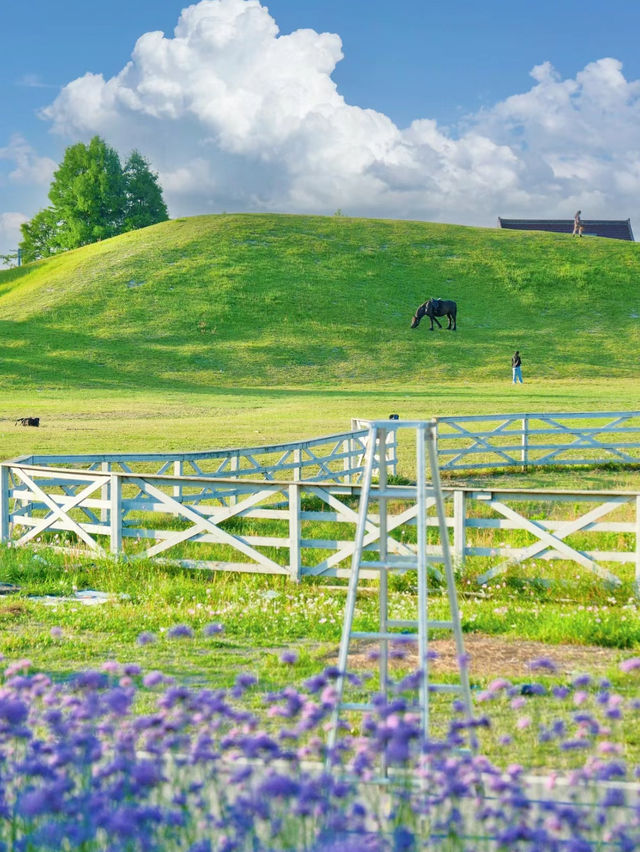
615,229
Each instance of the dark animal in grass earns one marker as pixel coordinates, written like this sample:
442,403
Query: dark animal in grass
28,421
434,308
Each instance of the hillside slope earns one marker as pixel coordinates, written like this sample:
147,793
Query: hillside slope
275,300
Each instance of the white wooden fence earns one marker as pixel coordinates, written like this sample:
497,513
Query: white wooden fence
331,458
522,440
307,529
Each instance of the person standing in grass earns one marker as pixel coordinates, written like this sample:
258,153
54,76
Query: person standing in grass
516,364
577,224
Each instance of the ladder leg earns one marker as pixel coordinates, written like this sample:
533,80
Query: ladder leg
384,577
347,624
451,584
423,603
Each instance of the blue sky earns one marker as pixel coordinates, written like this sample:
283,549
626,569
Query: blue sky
406,110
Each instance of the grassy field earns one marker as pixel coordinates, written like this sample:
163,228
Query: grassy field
291,301
225,331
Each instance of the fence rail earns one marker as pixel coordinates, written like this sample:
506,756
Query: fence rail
331,458
292,508
302,528
523,440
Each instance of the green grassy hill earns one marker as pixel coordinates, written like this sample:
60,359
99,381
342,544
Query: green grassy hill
272,300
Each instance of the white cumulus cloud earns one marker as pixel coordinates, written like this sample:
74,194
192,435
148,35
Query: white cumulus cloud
28,166
236,116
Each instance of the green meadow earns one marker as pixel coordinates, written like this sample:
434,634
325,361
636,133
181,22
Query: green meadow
245,330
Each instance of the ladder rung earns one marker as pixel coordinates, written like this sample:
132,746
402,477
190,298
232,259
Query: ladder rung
355,706
398,491
405,564
445,687
412,624
403,637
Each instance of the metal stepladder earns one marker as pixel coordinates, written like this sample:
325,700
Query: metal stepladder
394,556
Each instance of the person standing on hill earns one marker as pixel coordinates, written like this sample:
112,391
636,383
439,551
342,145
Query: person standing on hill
577,224
516,364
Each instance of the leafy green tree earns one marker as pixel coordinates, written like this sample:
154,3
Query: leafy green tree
40,236
8,260
87,194
93,198
144,204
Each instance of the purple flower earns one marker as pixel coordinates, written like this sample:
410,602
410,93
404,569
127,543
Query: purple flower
580,697
577,844
33,803
279,787
18,666
397,653
289,657
56,633
573,745
153,678
201,846
403,839
14,711
243,682
91,680
332,672
543,663
180,631
212,629
146,638
630,664
146,774
119,701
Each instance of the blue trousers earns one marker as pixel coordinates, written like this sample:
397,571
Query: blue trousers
517,375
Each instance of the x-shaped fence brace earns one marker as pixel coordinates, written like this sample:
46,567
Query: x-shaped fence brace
479,442
346,514
584,439
60,506
206,524
549,541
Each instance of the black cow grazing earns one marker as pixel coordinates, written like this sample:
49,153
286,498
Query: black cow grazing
28,421
433,308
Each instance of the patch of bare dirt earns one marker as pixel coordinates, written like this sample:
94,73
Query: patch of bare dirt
497,656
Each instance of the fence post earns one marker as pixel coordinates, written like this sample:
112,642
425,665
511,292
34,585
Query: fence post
297,461
392,442
637,582
525,441
177,471
235,473
346,462
459,527
104,492
4,504
115,487
295,550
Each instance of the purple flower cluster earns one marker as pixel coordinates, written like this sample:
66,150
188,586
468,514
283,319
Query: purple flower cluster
101,763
